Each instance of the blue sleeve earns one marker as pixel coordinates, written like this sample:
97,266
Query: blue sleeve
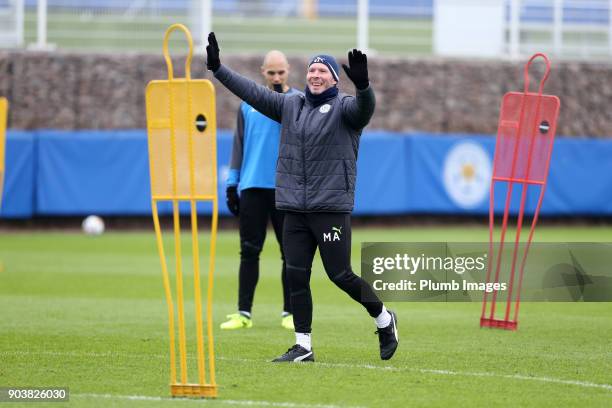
233,177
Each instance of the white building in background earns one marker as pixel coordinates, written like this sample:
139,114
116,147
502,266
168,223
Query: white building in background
464,28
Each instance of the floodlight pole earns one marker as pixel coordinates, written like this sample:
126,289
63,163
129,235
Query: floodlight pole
362,25
205,20
515,10
41,24
20,41
610,26
558,26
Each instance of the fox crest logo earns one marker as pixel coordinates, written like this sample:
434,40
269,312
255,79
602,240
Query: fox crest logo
334,235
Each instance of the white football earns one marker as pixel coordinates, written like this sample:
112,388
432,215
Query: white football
93,225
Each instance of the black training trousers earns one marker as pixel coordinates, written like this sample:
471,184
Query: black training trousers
331,233
256,207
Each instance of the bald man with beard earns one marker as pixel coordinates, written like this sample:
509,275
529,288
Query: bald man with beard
251,193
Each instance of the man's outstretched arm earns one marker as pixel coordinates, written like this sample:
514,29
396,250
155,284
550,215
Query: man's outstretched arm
359,110
268,102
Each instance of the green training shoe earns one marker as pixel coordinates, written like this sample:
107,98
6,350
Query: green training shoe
287,322
237,321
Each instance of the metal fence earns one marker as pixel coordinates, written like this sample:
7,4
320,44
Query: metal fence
566,28
11,23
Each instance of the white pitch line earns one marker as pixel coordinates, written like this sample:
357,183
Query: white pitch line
587,384
217,401
521,377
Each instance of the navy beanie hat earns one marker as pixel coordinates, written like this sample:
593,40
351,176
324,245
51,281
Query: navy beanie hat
329,61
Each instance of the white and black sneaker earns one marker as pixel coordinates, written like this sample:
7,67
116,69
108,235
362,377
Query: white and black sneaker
388,338
296,353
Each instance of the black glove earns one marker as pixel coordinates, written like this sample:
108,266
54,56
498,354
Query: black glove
233,200
357,70
212,53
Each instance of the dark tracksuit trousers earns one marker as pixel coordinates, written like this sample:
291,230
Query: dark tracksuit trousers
256,207
331,233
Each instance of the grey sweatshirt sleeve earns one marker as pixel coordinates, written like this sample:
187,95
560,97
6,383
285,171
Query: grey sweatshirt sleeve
237,149
268,102
358,111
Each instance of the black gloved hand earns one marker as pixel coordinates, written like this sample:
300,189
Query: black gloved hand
232,200
212,53
357,70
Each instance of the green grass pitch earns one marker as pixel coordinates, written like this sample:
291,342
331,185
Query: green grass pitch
247,34
89,313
